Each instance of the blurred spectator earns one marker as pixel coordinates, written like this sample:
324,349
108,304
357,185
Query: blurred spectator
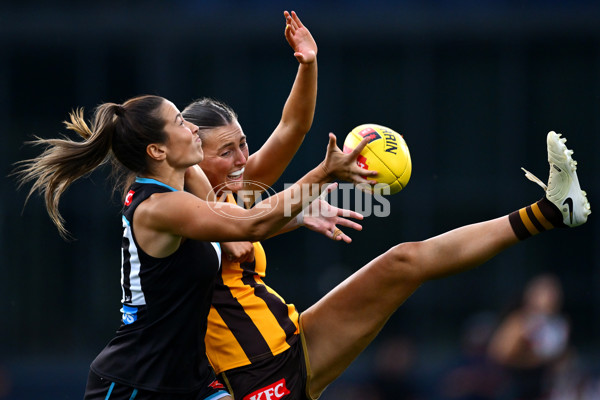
532,339
474,376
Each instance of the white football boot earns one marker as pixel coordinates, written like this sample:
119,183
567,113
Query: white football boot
563,186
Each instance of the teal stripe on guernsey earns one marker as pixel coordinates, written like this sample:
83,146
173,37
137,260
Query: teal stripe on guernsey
112,386
154,181
219,395
110,389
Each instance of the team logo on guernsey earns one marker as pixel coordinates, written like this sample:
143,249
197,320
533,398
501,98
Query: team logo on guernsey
129,197
129,314
274,391
216,385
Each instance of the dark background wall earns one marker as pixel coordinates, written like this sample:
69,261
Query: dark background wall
473,86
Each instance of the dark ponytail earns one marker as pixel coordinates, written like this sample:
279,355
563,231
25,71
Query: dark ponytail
119,133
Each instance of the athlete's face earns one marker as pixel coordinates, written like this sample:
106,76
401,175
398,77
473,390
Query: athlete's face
225,156
183,143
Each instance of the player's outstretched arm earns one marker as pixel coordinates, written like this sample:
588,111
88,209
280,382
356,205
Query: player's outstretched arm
268,163
324,218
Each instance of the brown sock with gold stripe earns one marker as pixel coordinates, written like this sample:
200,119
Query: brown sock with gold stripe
536,218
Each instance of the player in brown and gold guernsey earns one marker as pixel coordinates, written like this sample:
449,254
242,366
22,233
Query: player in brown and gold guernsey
261,346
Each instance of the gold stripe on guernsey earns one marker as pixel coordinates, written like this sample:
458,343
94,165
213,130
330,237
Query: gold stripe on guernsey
540,217
217,335
527,222
245,292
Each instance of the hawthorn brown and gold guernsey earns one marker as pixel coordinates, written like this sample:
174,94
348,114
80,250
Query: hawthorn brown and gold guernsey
248,321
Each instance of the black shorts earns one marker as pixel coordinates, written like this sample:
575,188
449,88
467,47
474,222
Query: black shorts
103,389
282,376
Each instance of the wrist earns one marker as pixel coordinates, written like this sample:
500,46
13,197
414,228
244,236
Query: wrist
308,64
323,172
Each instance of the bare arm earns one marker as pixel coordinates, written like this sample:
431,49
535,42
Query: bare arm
319,216
324,218
163,219
268,163
182,214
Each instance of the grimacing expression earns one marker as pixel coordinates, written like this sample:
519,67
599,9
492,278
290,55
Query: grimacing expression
225,156
184,146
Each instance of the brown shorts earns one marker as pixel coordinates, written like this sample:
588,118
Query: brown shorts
283,376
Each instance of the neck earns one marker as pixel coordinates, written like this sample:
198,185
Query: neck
175,180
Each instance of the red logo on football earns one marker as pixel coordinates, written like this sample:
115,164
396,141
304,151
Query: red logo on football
274,391
362,161
371,133
129,197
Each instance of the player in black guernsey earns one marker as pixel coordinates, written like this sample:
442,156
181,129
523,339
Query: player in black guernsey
160,294
169,258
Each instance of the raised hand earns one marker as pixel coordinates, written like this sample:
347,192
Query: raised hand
300,39
343,166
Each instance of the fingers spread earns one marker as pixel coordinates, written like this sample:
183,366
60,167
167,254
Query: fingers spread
296,19
330,188
349,224
332,142
342,212
360,146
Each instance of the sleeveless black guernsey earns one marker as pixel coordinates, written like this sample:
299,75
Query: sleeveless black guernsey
160,343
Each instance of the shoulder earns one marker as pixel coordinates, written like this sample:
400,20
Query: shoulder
163,209
165,203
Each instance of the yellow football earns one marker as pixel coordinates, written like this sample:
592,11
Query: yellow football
386,152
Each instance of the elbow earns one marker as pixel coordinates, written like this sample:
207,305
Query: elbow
303,127
264,231
297,128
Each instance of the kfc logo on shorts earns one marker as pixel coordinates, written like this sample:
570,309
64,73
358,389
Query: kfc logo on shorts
274,391
129,197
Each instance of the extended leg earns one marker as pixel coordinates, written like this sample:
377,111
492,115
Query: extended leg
340,325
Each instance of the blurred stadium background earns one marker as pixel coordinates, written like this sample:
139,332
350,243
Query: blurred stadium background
474,86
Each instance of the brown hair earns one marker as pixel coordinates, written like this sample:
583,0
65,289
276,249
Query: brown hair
208,113
119,133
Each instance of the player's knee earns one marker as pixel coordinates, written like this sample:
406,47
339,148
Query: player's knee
402,261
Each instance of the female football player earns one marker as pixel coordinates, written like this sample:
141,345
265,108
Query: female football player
169,251
261,346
